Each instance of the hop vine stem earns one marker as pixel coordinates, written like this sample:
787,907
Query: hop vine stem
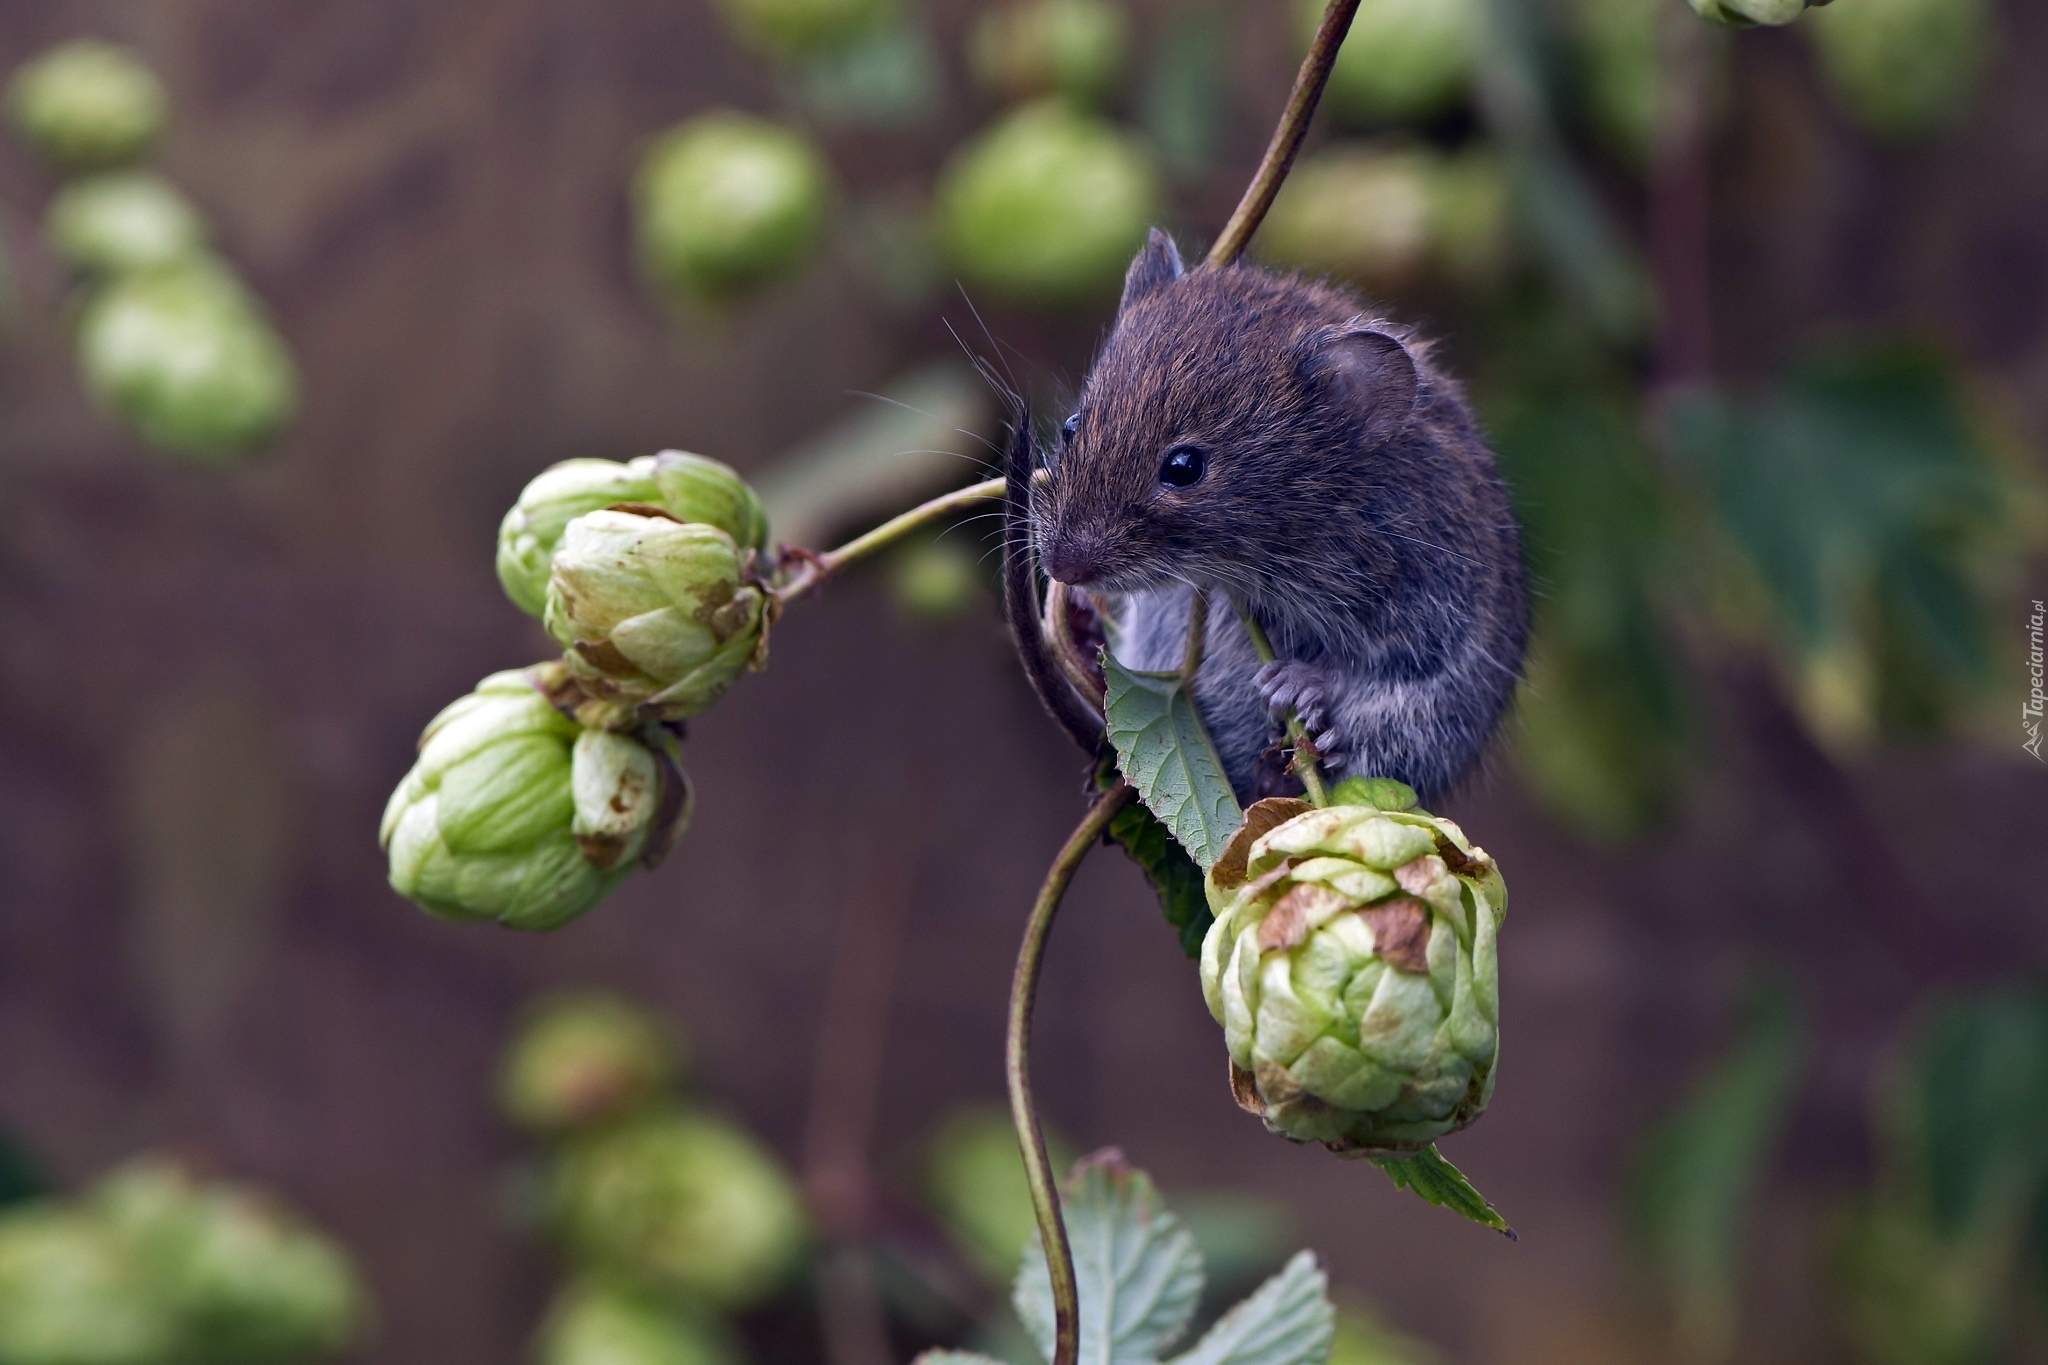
1045,1194
1287,136
1297,734
816,568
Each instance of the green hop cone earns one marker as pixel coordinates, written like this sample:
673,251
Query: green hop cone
803,28
1047,206
726,204
515,813
654,612
123,221
1904,68
1352,966
592,1323
681,1204
1359,212
1744,13
87,104
1403,60
582,1060
688,487
73,1291
1030,48
250,1284
185,357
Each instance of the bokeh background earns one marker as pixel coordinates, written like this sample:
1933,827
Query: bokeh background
211,676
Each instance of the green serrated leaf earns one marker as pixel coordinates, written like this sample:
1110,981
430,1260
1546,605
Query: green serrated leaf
1440,1183
1287,1320
1162,747
1138,1272
1175,878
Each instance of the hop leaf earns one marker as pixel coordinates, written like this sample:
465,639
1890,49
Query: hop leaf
1163,749
1138,1270
1287,1320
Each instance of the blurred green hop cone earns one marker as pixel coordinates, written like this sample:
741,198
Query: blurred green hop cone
1380,216
515,813
936,581
1352,966
123,221
1904,68
73,1291
1744,13
87,104
726,204
584,1059
593,1323
792,29
1047,206
681,1203
655,612
689,487
1029,48
250,1284
1403,60
186,358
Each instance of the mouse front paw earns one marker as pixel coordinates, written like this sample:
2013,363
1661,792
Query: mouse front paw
1305,689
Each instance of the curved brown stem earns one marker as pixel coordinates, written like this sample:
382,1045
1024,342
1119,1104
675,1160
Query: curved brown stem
1287,136
1045,1194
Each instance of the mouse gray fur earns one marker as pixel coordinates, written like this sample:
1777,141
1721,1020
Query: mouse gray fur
1266,438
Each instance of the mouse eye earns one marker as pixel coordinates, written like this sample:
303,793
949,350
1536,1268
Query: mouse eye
1183,467
1070,426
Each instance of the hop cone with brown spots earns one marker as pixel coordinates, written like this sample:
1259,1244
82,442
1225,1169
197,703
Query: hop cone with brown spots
1352,966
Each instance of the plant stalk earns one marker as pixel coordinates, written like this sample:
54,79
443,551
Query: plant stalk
819,567
1045,1194
1287,136
1297,734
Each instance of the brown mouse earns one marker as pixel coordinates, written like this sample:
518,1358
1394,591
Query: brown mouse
1268,440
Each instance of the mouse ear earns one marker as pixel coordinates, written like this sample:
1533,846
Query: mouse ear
1369,371
1158,263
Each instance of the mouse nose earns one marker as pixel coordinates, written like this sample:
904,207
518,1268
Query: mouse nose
1069,559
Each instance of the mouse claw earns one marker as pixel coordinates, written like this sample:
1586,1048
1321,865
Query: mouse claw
1290,685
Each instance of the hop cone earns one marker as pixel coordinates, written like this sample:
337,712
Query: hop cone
1351,964
186,358
87,104
583,1059
1743,13
653,611
74,1292
513,812
250,1284
111,224
681,1204
599,1324
727,204
688,487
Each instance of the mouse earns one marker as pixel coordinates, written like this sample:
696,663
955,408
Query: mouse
1269,441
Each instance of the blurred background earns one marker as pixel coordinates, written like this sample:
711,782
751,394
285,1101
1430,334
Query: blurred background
1758,321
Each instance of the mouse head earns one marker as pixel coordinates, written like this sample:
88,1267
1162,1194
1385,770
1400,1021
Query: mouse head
1230,413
